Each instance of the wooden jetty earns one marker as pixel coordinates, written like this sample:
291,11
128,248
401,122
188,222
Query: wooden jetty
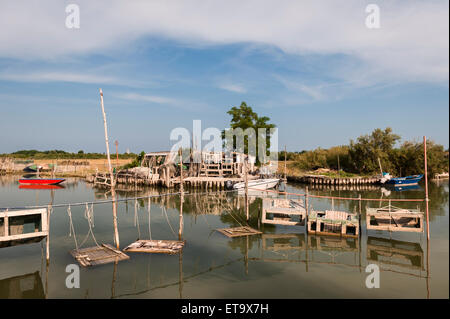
136,180
98,255
325,180
392,218
280,211
335,223
239,231
23,226
156,246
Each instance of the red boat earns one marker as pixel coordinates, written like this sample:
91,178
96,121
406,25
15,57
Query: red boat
41,181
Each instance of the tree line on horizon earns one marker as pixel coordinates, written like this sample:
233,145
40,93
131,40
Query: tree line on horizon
59,154
362,156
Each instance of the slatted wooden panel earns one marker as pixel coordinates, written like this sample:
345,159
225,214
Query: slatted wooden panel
98,255
239,231
156,246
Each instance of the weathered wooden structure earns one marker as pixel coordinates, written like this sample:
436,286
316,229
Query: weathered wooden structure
392,218
98,255
336,223
156,246
282,211
202,170
23,226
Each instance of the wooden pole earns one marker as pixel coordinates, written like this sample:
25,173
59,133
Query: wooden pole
306,203
428,219
180,231
246,188
426,185
117,154
113,191
285,155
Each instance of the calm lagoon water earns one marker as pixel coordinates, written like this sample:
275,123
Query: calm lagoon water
283,262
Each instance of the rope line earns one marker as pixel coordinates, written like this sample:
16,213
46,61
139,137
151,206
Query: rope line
345,198
136,218
71,227
149,224
167,218
210,193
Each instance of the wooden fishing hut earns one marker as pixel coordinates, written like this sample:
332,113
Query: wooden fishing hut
331,222
393,218
281,211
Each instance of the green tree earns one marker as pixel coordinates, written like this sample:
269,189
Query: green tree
244,117
364,153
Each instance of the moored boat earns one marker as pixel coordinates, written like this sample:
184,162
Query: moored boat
408,180
33,168
258,184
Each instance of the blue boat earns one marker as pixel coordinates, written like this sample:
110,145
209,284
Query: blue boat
408,180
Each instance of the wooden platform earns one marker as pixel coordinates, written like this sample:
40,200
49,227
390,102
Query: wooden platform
98,255
392,218
23,226
239,231
156,246
280,211
333,223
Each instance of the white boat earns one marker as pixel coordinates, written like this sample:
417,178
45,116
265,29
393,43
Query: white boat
259,184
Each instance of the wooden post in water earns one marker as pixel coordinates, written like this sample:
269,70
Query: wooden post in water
426,185
180,231
428,220
113,190
359,208
306,204
47,240
285,155
246,188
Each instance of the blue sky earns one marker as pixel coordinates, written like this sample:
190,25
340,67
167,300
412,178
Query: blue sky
315,69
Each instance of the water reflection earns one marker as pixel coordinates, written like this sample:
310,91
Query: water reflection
28,286
212,265
393,252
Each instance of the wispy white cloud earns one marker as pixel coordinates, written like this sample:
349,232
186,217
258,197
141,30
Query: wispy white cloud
232,87
148,98
411,45
57,77
179,103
